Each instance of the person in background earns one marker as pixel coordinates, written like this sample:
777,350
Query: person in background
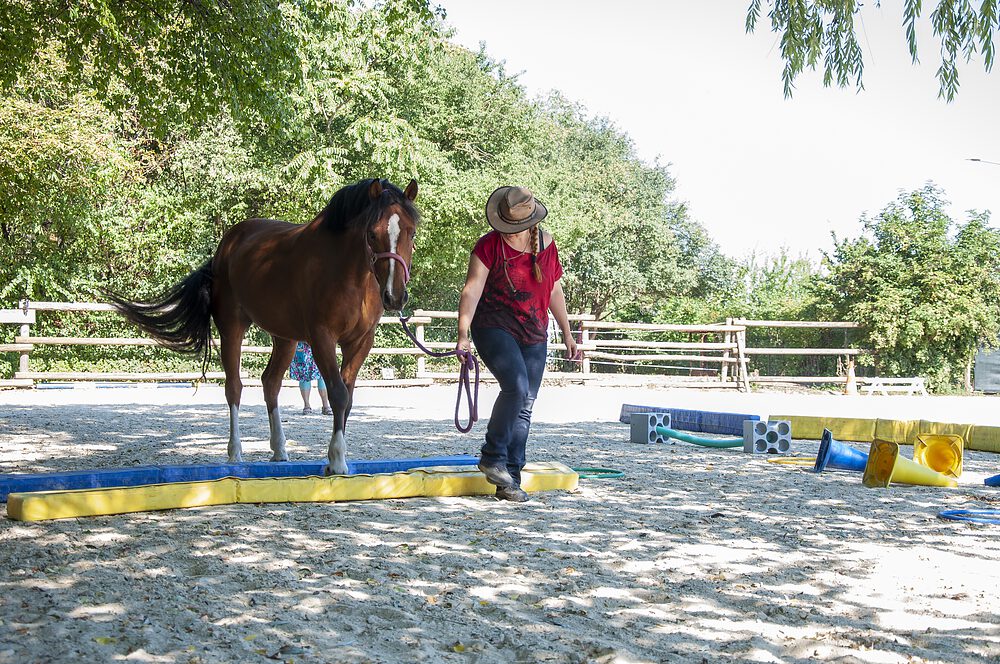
304,370
512,283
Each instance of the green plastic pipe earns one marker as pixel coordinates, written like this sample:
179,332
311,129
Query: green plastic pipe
599,473
705,442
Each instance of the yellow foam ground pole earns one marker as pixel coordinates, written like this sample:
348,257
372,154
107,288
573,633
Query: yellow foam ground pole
435,481
903,432
808,427
984,438
886,466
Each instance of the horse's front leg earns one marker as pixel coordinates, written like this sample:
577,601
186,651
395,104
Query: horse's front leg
282,351
342,398
355,353
325,355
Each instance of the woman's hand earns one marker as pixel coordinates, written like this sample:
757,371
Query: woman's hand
463,347
573,353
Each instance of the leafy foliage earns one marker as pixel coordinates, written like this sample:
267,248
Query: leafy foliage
60,160
812,30
926,289
168,61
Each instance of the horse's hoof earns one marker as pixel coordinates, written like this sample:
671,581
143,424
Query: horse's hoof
330,470
238,459
283,457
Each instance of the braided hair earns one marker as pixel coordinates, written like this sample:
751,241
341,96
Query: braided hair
535,268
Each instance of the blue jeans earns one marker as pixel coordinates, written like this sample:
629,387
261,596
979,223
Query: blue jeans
519,371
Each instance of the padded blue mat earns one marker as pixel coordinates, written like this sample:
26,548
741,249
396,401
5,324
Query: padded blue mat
141,475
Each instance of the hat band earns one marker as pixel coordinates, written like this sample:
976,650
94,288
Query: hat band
503,204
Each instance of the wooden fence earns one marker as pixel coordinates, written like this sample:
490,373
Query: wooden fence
847,355
704,355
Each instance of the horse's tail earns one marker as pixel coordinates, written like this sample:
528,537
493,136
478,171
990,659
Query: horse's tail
180,318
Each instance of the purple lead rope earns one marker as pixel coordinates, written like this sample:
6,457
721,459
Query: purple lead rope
468,362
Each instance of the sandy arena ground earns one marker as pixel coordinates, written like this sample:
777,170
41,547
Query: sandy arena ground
695,555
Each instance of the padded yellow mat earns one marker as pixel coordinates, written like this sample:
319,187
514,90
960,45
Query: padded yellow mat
434,481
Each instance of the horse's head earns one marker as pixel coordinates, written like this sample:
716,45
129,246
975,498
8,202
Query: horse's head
391,233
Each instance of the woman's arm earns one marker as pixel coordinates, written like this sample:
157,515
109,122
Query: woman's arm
557,305
475,280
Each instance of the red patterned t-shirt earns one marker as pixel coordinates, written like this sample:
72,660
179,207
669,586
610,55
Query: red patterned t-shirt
524,309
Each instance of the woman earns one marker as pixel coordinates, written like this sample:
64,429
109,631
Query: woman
512,283
304,370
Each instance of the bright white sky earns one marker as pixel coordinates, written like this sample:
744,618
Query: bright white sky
691,88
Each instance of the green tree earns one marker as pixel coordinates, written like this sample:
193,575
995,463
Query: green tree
824,29
167,60
926,289
62,158
774,287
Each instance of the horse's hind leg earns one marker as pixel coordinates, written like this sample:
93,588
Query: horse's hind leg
231,328
282,351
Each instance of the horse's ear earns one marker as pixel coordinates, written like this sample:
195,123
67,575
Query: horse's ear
375,190
411,190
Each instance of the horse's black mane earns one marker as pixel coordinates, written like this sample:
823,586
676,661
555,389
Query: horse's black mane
351,205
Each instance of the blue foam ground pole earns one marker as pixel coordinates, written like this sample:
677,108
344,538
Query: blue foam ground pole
694,420
102,478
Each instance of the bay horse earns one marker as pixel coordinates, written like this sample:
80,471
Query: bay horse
326,282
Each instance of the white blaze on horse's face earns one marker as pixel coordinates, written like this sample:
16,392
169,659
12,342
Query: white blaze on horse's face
393,242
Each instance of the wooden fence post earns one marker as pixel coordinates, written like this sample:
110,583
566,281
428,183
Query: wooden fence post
22,363
421,359
852,379
584,340
741,345
727,337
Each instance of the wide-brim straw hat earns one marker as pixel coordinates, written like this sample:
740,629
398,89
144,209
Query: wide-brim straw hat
514,209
